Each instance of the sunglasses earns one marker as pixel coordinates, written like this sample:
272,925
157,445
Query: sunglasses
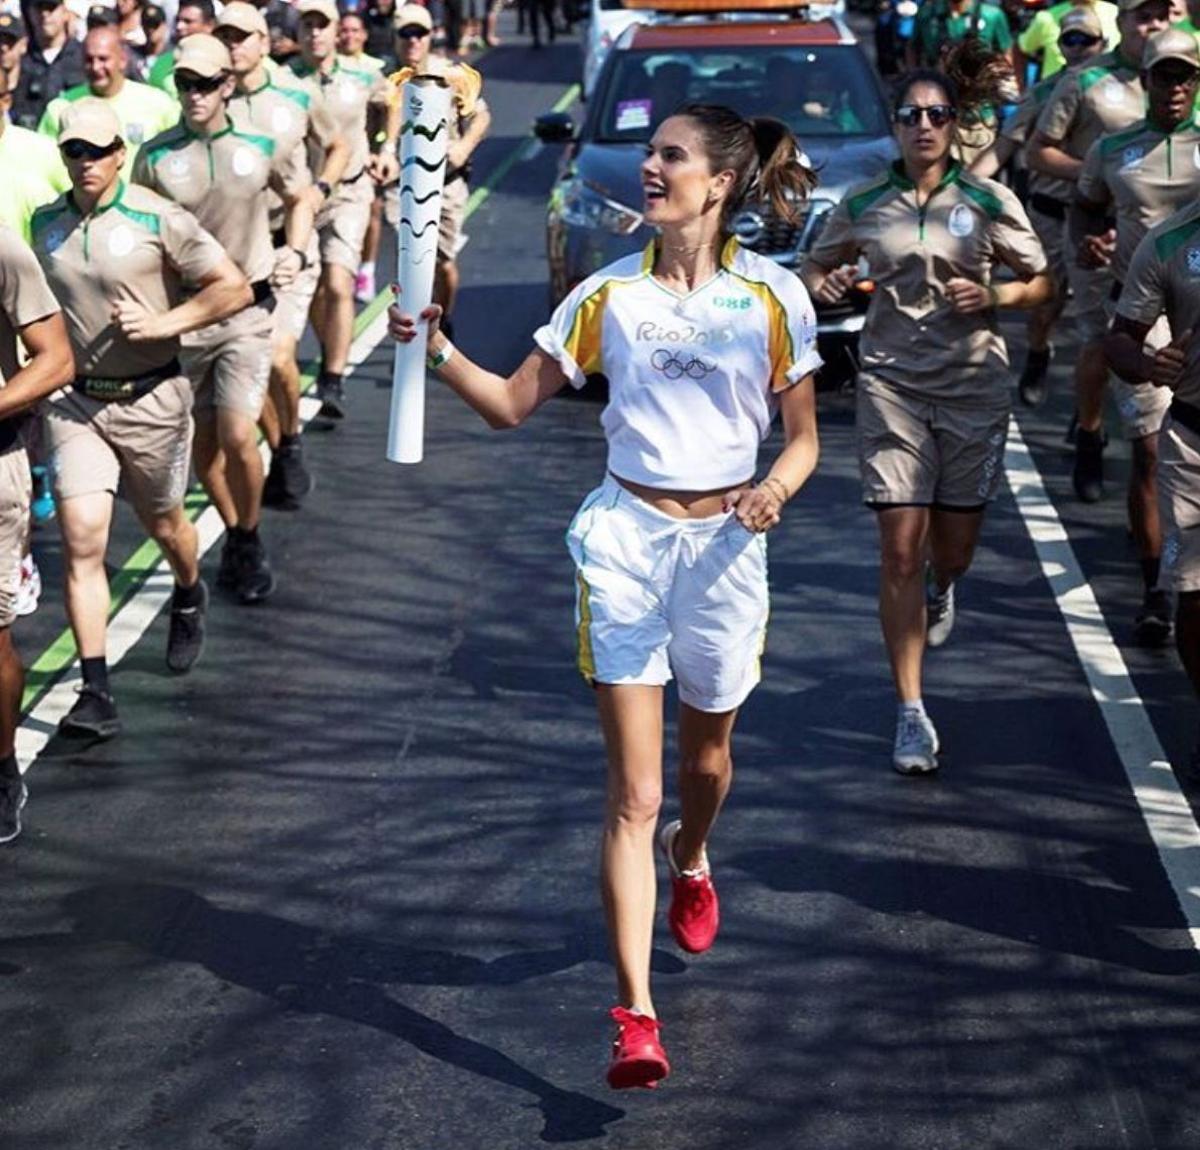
82,150
205,86
939,115
411,33
1077,40
47,6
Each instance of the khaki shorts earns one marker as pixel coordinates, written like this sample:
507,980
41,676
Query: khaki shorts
293,302
229,363
450,224
343,224
15,492
1179,505
927,454
1142,406
142,447
1092,287
1053,234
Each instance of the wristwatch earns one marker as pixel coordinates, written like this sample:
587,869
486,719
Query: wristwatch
325,187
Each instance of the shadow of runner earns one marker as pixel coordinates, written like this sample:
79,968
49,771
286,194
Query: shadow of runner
309,970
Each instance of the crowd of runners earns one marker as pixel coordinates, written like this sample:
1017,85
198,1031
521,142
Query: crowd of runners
169,239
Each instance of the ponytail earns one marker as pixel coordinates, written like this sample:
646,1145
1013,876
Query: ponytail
763,153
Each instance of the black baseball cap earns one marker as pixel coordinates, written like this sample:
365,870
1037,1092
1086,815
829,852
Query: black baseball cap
100,15
12,27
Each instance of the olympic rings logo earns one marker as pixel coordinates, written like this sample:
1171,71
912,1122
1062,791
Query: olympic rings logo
694,367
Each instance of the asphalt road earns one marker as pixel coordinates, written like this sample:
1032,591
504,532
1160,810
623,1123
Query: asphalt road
335,889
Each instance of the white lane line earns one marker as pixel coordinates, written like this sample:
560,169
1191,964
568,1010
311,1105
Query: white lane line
131,622
1164,808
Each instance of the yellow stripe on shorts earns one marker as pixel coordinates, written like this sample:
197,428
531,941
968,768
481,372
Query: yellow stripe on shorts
586,658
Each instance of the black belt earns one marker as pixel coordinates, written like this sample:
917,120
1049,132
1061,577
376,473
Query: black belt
125,388
263,291
1048,206
1187,414
10,431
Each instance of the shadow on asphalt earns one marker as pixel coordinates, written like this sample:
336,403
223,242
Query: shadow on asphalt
314,972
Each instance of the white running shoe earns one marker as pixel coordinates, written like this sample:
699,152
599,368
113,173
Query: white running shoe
29,592
939,612
916,748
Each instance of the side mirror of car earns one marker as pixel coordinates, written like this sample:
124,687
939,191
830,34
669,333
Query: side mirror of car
554,128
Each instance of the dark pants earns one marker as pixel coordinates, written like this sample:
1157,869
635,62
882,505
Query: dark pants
533,9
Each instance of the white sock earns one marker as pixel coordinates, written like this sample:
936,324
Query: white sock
912,707
367,269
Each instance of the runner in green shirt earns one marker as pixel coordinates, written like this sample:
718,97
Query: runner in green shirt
941,23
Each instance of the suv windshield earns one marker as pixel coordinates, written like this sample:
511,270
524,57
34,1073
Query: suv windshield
816,90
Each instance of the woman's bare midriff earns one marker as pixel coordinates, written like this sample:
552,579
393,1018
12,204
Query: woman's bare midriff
681,504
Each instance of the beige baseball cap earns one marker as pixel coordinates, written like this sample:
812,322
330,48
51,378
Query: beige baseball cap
413,14
326,8
90,120
1171,44
1084,19
244,17
202,54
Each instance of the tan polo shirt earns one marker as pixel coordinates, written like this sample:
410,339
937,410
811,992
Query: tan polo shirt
1146,174
346,91
25,297
140,247
913,338
1019,129
1164,278
223,180
1105,96
289,115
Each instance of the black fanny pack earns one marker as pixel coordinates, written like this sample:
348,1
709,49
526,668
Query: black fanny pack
110,389
1048,206
10,432
1186,415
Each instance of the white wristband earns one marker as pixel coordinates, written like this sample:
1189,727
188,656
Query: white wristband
441,358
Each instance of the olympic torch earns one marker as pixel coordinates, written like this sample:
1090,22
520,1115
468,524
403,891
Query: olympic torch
424,127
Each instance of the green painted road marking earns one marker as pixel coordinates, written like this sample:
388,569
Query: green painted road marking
126,582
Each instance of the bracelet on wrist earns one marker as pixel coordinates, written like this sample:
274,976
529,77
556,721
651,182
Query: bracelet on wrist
303,257
782,492
441,357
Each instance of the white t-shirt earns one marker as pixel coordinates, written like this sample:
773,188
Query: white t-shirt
692,380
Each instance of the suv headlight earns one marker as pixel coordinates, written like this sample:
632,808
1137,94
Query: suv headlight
815,220
584,206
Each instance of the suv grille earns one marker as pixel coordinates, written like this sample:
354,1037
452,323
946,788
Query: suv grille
761,230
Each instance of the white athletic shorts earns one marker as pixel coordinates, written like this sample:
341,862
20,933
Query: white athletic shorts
657,595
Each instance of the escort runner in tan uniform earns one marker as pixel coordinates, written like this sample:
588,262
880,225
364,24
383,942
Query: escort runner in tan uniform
1164,279
348,92
1107,96
265,102
1081,39
121,261
28,311
933,389
468,127
223,177
1147,172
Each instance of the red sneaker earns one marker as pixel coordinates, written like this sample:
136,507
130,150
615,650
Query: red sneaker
695,913
638,1058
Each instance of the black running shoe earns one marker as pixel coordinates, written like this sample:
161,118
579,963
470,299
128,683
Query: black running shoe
227,568
1152,626
1088,475
288,480
332,395
1032,385
13,796
254,580
185,639
94,716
